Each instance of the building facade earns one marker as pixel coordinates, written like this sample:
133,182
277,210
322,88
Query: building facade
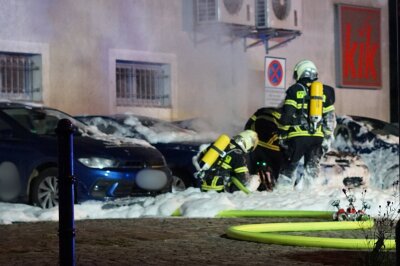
151,57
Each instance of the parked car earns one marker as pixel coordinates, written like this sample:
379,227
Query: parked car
364,135
105,168
343,169
338,167
365,151
178,145
375,141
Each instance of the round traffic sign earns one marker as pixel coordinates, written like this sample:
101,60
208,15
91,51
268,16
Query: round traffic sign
275,72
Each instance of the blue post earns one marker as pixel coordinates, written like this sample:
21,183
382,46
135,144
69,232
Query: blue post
66,182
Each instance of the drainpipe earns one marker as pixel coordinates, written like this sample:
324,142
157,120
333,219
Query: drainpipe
66,182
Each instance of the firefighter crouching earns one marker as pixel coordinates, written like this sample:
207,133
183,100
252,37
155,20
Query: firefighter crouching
306,124
222,166
267,158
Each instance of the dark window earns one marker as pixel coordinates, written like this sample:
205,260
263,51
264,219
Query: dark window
143,84
20,76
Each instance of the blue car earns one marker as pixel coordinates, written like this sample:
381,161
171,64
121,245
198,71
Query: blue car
178,145
105,168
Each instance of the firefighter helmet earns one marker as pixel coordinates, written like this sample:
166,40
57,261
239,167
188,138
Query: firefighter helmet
305,69
246,140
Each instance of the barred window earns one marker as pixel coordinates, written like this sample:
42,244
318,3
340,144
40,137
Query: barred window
20,76
143,84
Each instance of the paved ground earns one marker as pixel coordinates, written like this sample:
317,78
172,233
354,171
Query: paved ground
156,241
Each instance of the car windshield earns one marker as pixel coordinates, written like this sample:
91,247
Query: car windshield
42,121
156,125
110,126
160,131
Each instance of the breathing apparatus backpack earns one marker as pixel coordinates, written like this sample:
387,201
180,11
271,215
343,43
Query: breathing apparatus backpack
215,151
315,106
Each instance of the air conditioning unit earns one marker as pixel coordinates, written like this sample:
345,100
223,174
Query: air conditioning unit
239,12
278,14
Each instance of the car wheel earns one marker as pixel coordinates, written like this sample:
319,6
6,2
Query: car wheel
44,192
182,179
178,184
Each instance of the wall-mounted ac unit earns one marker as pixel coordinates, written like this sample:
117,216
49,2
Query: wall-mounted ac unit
278,14
239,12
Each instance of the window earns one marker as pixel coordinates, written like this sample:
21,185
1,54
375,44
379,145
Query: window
20,76
143,84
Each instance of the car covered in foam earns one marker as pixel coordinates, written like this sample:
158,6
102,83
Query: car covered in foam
178,145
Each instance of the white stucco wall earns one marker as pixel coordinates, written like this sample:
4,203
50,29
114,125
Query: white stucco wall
213,76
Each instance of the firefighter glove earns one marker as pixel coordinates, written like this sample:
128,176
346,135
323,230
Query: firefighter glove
326,145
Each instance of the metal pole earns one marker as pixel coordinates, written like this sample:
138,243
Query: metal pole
66,182
398,243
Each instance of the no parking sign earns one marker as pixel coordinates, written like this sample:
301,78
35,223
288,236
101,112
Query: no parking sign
275,76
275,73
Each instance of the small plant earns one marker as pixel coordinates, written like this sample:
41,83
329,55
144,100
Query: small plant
384,228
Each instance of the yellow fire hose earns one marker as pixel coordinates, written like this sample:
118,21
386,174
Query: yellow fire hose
269,233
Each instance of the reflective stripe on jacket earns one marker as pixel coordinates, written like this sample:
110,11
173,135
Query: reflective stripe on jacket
294,116
265,122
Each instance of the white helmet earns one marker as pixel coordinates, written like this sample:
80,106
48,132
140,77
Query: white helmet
305,69
246,140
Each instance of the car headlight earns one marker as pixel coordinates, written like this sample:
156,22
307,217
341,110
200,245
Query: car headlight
97,162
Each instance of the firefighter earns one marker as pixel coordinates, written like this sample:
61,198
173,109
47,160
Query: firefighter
303,133
267,157
229,172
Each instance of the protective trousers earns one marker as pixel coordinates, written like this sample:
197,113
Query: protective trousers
310,148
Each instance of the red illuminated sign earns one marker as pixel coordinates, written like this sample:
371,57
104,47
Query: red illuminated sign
359,47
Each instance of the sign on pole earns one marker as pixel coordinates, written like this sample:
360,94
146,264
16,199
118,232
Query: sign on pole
275,76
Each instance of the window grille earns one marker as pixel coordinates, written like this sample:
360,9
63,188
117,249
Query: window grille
143,84
20,76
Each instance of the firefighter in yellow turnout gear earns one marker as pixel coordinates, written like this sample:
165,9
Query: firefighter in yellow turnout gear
229,172
267,157
306,124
